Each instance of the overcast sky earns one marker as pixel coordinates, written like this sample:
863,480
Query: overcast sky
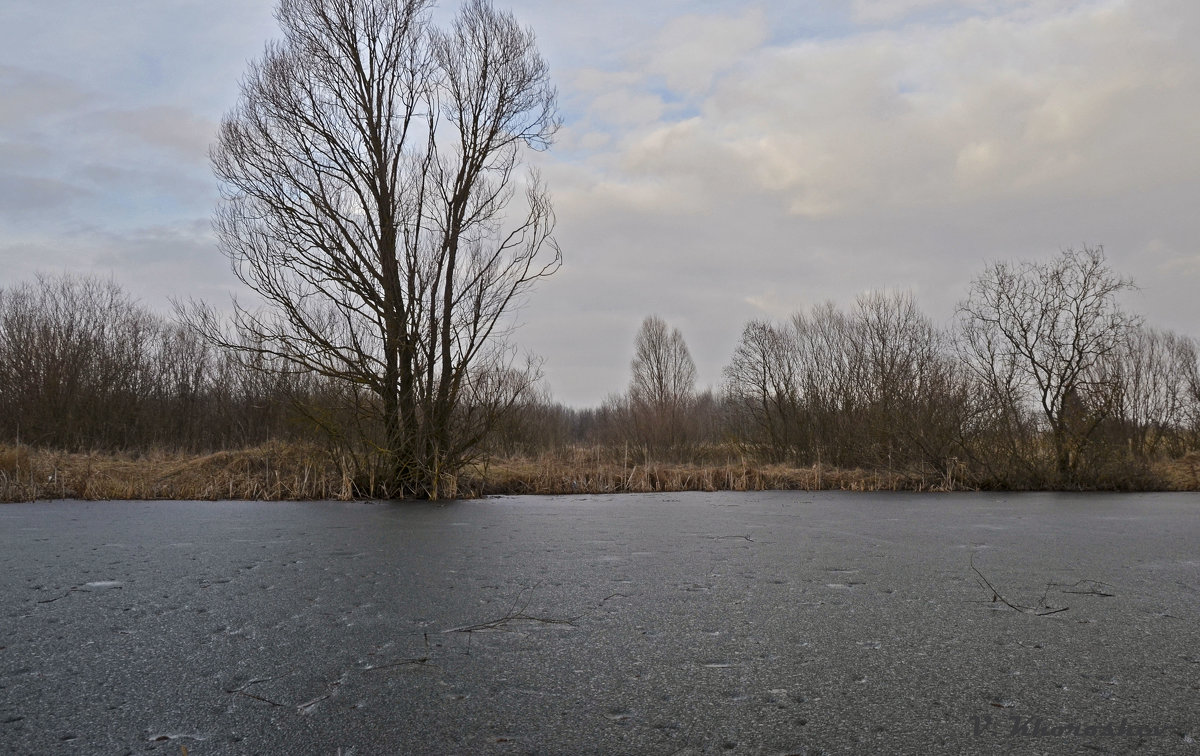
720,161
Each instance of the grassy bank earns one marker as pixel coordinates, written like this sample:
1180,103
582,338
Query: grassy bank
271,471
298,472
559,476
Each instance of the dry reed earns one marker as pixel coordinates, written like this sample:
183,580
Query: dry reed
279,471
555,476
274,471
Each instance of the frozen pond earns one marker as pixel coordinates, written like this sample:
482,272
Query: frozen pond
776,623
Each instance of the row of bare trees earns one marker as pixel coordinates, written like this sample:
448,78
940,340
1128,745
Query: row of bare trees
872,387
1068,387
1042,381
84,367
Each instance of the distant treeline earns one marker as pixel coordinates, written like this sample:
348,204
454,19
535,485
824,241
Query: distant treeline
84,367
1043,382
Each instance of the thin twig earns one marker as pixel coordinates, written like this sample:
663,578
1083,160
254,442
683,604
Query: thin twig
513,615
423,661
1092,591
496,624
243,692
247,694
996,596
304,708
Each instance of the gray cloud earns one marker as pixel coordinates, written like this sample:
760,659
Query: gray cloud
156,263
23,196
31,95
183,133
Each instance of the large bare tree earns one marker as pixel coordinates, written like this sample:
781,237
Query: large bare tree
374,200
1035,336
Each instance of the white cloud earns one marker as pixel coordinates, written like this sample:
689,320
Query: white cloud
694,49
626,108
902,156
30,96
23,196
156,263
893,12
981,108
173,128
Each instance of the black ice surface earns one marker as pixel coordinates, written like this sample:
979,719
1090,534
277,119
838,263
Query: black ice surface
774,623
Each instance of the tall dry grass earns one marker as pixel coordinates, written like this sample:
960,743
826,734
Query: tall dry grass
552,477
604,470
281,471
275,471
1181,474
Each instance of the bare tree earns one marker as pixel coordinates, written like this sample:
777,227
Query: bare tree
1153,371
763,386
1034,335
662,386
74,363
908,395
367,174
1192,410
827,366
874,387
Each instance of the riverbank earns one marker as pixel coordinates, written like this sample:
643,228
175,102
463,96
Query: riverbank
281,472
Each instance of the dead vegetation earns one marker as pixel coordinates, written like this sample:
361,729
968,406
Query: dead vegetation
294,471
1044,608
517,613
1182,474
554,475
274,471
